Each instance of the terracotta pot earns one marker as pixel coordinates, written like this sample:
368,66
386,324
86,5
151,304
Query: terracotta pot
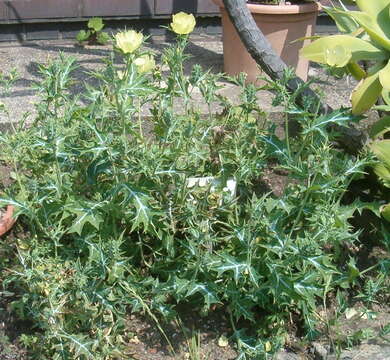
7,220
281,24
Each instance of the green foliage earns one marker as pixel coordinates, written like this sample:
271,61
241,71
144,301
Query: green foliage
83,36
364,44
365,39
7,81
95,33
102,38
381,148
115,226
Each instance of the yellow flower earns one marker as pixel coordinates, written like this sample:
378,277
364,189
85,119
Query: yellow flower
120,74
129,41
338,56
183,23
145,63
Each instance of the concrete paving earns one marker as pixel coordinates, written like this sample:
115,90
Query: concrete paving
205,50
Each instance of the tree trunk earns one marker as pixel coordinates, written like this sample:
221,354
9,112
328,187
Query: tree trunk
351,139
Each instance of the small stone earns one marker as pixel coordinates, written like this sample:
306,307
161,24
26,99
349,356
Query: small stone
320,352
134,340
313,72
350,313
284,355
365,352
153,351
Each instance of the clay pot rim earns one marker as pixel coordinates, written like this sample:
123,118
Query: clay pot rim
279,9
7,221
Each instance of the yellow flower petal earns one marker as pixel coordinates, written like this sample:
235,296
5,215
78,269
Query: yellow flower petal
338,56
183,23
145,63
268,346
129,41
223,341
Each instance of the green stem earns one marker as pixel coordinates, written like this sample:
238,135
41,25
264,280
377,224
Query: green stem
234,329
308,192
140,120
287,135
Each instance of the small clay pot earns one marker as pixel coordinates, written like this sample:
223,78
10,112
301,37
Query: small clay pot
7,220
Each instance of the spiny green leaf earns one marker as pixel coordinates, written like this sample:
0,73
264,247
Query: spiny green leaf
279,283
97,167
209,296
308,288
79,344
88,213
275,146
339,117
228,263
358,206
242,306
321,263
139,200
353,271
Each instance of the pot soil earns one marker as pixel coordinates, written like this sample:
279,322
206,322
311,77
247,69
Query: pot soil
281,25
6,219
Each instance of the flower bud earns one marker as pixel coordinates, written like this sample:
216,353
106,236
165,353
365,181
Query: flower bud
145,63
183,23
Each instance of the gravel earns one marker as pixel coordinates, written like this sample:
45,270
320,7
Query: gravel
205,50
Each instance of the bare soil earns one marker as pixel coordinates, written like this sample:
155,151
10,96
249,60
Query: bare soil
149,343
5,180
5,176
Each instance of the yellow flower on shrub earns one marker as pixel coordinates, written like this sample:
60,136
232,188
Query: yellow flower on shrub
129,41
183,23
145,63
